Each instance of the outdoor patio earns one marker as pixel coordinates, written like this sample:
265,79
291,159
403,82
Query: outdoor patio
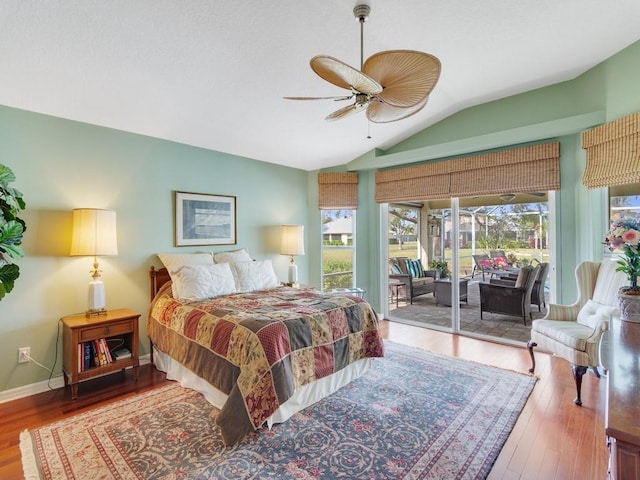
424,312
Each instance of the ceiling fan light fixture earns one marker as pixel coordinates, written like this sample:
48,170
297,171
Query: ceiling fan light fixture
361,12
390,85
507,197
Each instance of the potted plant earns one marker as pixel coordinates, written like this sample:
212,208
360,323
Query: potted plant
441,266
624,235
11,230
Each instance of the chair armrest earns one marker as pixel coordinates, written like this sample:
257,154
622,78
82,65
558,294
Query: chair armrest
564,313
404,279
601,327
502,281
491,287
431,273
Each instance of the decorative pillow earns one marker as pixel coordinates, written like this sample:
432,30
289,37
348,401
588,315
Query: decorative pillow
197,282
484,263
594,312
241,255
175,261
251,276
500,262
523,275
395,268
414,267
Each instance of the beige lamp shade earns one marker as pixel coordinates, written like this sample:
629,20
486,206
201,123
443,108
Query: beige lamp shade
94,234
292,241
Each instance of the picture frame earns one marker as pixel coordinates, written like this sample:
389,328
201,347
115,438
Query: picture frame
204,219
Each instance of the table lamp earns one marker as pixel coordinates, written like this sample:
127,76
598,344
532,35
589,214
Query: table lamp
292,244
94,234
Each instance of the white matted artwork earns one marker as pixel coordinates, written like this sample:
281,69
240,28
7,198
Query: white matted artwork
203,219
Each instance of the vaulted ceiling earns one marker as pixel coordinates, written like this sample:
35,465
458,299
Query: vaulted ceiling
212,73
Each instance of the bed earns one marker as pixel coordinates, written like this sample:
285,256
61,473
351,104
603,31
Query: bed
260,355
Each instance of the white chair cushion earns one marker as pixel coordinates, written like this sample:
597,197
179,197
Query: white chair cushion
572,334
608,283
593,313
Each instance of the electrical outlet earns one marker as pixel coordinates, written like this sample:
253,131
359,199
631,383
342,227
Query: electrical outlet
23,354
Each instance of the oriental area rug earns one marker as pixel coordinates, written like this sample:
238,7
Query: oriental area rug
413,415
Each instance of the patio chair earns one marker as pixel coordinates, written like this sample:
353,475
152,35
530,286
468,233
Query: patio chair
497,254
507,299
482,263
537,294
573,332
416,281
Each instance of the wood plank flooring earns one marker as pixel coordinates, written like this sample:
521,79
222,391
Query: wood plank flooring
553,438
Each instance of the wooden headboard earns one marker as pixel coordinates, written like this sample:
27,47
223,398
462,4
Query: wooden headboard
157,278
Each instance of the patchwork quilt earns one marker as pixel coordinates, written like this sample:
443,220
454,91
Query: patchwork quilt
259,347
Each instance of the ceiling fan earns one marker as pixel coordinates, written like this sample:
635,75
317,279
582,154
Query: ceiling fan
390,85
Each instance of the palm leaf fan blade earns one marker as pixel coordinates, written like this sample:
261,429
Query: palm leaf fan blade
343,113
380,112
342,75
407,76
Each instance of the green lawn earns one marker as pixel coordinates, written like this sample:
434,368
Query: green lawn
409,250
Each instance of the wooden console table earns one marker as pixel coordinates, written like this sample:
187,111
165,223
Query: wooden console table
620,355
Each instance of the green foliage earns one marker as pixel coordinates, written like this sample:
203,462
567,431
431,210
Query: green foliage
11,230
337,274
442,265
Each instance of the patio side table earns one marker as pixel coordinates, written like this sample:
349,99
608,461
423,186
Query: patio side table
443,291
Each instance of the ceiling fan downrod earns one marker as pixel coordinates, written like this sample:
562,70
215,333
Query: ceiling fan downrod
361,13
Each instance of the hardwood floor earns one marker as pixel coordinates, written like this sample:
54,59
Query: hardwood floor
553,438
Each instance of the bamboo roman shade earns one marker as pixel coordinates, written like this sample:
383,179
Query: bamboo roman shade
613,153
338,190
527,169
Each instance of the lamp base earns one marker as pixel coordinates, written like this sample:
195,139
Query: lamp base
96,298
293,274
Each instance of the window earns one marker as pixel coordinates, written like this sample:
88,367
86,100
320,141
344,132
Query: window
338,249
404,230
624,201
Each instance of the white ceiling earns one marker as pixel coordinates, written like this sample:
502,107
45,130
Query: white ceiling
212,73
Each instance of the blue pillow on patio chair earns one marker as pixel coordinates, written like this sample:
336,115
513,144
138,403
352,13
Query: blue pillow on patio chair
415,268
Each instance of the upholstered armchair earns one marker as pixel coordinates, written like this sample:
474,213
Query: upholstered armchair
573,332
510,299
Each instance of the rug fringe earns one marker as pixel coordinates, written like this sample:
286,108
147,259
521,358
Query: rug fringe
29,465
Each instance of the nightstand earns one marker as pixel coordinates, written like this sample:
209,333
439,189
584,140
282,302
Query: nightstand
82,337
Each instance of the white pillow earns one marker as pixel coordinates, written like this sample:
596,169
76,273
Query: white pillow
594,312
175,261
241,255
197,282
251,276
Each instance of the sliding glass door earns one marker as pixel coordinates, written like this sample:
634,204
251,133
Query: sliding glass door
460,245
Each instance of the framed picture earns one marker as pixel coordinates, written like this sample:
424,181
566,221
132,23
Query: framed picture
203,219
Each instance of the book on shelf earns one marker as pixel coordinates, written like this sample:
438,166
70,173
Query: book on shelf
121,353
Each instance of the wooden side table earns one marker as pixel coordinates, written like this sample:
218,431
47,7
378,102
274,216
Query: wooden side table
119,324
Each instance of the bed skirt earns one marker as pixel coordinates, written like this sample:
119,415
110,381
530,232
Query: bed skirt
304,396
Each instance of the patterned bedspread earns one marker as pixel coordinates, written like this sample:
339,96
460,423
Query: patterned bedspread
259,347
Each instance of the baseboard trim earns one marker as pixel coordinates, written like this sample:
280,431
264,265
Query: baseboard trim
45,385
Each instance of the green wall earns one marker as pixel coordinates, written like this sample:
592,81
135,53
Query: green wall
61,165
